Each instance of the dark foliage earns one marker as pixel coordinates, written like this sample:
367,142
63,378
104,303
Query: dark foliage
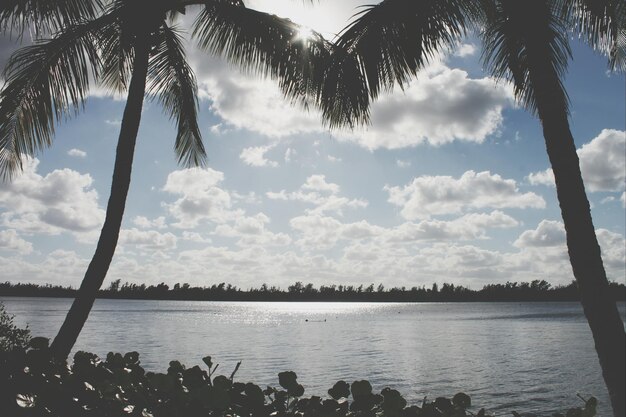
11,336
537,290
32,384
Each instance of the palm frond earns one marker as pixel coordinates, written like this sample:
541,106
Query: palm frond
45,82
344,97
264,44
172,82
520,51
116,51
45,15
395,38
602,23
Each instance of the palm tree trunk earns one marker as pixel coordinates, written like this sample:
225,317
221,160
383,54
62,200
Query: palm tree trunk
582,245
99,265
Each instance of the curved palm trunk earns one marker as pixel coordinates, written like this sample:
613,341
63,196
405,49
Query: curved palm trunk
97,270
582,245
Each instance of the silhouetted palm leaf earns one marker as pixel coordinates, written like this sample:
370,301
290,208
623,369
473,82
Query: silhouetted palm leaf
45,15
395,38
265,44
602,23
45,82
172,81
514,49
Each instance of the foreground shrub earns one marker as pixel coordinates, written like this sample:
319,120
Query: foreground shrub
11,337
32,384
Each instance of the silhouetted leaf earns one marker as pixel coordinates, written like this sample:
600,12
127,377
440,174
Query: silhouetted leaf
360,389
444,404
462,400
288,380
131,358
340,389
39,343
207,361
221,382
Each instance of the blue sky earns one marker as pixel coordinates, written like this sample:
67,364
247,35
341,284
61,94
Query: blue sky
449,184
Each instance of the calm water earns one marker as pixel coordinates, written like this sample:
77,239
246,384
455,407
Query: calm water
506,356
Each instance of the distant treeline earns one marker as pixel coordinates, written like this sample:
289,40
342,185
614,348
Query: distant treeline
511,291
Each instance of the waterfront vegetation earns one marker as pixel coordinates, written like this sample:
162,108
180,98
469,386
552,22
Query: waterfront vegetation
33,384
537,290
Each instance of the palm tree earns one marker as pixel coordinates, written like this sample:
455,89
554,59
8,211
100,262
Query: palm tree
534,57
524,41
130,45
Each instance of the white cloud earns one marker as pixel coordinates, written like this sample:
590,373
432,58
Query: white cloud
613,247
323,195
318,183
468,227
436,195
623,199
543,252
200,197
245,101
195,237
403,164
290,153
321,232
548,233
63,200
465,49
333,158
255,156
148,239
441,106
10,240
542,178
145,223
251,231
602,163
77,153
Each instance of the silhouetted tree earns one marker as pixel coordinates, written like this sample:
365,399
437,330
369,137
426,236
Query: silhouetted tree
133,46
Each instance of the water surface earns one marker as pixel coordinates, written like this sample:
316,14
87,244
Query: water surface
506,356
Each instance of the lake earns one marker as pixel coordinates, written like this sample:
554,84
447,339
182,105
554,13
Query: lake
532,357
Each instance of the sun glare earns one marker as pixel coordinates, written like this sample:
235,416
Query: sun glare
304,33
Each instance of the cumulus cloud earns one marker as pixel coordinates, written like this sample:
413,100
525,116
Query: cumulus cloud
201,198
465,49
468,227
321,232
145,223
548,233
613,246
148,239
63,200
245,101
602,163
10,240
77,153
542,178
255,156
320,193
318,183
252,231
441,106
195,237
436,195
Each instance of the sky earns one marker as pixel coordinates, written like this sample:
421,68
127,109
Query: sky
450,182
